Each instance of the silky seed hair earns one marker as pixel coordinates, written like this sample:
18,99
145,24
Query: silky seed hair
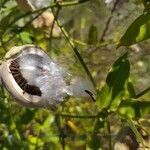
43,82
21,81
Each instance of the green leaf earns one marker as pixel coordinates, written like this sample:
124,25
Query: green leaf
136,132
27,116
129,91
138,31
111,94
93,35
133,108
26,37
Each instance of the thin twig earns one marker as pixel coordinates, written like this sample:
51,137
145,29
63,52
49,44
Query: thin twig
53,23
61,4
77,116
101,41
61,134
143,92
78,55
109,134
108,21
21,29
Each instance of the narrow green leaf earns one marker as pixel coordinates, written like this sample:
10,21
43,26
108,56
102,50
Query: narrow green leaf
93,35
138,31
136,132
111,94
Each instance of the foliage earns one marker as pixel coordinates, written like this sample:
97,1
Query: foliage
86,47
139,30
112,93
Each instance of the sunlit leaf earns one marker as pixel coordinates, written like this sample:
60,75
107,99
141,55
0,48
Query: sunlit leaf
26,37
138,31
111,94
33,140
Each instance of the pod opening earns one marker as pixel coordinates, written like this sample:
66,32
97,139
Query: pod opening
21,81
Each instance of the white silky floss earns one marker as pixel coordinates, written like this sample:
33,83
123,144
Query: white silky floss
50,78
43,73
39,70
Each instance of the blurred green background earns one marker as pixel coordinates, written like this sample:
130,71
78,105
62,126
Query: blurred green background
42,129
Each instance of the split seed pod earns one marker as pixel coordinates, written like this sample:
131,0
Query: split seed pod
32,78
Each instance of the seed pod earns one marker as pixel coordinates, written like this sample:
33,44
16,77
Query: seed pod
32,78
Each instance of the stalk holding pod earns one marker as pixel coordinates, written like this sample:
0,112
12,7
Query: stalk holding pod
34,80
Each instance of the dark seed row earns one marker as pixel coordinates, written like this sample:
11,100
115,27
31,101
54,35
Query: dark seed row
21,81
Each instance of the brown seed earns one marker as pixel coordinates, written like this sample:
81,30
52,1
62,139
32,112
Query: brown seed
30,89
24,82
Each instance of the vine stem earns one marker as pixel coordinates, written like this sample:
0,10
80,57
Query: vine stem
107,25
143,92
109,134
74,48
108,21
57,4
14,35
53,23
77,116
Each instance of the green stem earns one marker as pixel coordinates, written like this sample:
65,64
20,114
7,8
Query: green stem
74,48
109,134
3,45
52,26
60,131
77,116
60,4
